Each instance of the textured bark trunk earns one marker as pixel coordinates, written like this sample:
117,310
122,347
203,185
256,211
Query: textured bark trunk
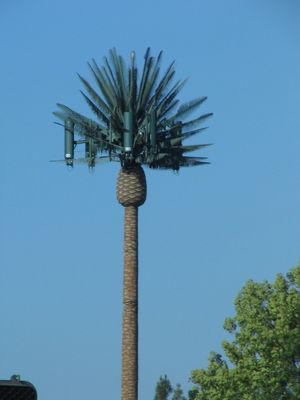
130,306
131,193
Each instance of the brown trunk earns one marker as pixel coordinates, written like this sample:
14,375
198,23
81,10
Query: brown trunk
130,306
131,193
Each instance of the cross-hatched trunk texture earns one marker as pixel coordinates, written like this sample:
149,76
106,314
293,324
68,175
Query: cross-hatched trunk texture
131,193
131,186
130,306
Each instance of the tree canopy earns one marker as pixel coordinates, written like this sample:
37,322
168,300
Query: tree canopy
164,389
263,359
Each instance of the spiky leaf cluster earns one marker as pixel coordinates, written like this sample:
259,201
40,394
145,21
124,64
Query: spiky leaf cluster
120,89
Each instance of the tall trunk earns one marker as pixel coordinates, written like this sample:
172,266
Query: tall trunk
131,193
130,306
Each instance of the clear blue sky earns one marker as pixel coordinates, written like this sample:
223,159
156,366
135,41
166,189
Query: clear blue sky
202,233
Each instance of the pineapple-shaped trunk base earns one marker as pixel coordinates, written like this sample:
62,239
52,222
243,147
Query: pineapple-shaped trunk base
131,186
131,193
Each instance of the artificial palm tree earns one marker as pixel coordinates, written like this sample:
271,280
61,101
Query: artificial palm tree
138,122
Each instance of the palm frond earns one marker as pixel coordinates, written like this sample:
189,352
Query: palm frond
193,132
143,78
196,121
107,70
186,135
132,83
168,98
193,161
188,108
79,120
94,95
146,100
104,87
160,125
118,67
193,147
168,106
164,82
145,84
95,109
61,116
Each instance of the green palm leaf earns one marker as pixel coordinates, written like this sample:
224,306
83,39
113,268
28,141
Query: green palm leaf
76,117
164,82
192,161
95,96
118,66
145,84
95,109
196,121
104,86
109,75
187,108
120,90
146,101
193,147
132,83
164,103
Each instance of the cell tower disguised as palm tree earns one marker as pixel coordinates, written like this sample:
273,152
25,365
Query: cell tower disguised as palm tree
138,122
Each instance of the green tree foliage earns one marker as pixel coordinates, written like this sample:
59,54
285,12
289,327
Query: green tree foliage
264,354
178,393
164,389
